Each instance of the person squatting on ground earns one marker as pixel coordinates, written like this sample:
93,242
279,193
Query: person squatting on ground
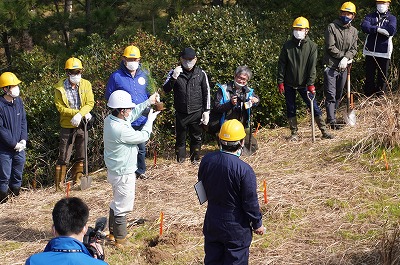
380,27
235,100
13,136
192,104
340,48
74,100
120,157
70,216
233,211
297,72
131,78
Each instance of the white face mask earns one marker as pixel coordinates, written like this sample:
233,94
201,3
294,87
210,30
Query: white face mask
188,64
300,35
132,66
239,85
75,79
382,8
14,92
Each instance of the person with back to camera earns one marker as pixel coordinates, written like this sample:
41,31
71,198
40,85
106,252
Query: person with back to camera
233,212
70,217
192,104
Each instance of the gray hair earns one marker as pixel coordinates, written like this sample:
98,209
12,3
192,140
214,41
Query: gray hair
243,69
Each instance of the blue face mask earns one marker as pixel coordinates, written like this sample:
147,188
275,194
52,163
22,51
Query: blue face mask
345,20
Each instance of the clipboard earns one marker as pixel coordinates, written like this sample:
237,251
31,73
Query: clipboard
201,193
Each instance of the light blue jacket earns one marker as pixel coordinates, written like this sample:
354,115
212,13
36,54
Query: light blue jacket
120,141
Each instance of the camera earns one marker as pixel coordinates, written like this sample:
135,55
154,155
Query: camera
94,235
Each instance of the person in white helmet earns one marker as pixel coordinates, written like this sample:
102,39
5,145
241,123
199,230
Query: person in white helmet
120,156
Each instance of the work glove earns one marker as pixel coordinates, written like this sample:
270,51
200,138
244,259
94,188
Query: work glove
154,98
382,31
152,115
205,118
281,88
76,120
88,116
21,145
311,89
177,71
343,63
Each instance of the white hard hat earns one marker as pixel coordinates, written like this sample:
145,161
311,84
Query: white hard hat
120,99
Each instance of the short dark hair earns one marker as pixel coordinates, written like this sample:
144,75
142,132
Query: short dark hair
70,216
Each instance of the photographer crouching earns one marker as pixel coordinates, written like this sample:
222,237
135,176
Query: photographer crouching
70,216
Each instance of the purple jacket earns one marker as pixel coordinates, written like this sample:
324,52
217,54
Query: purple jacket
376,44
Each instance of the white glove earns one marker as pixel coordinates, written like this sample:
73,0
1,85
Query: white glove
152,115
382,31
177,71
88,116
343,63
205,118
350,61
76,119
154,98
21,145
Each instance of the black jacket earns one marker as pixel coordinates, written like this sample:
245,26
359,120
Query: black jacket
191,90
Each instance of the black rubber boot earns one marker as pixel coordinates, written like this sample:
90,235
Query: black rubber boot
293,129
3,197
322,126
15,191
195,154
180,154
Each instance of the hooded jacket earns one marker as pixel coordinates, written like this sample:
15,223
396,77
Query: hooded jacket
340,41
297,63
377,44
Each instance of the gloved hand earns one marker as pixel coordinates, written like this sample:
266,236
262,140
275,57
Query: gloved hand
281,88
177,71
152,115
88,116
153,98
311,89
205,118
343,63
76,120
382,31
21,145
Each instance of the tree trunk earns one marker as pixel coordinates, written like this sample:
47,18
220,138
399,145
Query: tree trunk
88,18
67,15
7,49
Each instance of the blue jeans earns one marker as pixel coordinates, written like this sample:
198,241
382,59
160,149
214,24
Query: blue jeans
290,97
11,168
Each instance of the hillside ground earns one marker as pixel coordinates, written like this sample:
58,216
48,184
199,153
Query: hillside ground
328,203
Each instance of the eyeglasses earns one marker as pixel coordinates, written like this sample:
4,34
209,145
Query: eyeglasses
74,72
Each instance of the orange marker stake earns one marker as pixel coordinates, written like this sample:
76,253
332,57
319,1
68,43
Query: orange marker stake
258,127
386,161
265,192
155,158
161,222
68,188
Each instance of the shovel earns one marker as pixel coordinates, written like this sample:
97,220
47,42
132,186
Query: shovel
86,180
350,115
311,97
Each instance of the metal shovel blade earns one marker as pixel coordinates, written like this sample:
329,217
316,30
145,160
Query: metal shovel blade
86,181
350,118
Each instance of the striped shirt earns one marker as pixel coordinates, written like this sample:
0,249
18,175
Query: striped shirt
72,95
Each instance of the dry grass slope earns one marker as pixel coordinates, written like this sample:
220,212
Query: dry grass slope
331,202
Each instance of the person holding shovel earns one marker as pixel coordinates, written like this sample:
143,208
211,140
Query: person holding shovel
131,78
235,100
74,99
380,27
297,72
340,48
121,142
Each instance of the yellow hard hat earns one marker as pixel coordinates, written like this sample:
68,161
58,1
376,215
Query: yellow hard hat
383,1
301,22
73,63
132,52
349,7
232,131
8,79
